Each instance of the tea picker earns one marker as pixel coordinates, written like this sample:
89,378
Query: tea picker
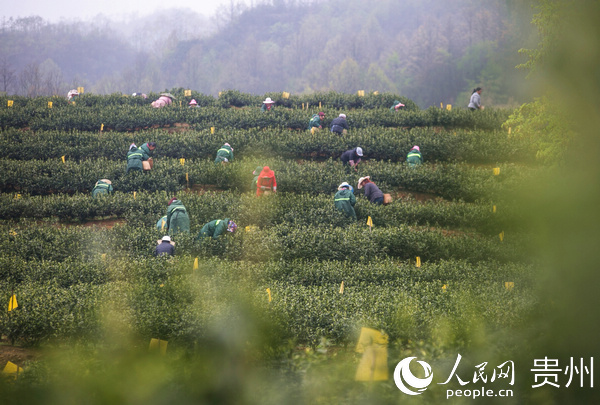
216,228
224,154
177,217
135,157
165,247
344,200
352,157
414,157
102,187
266,182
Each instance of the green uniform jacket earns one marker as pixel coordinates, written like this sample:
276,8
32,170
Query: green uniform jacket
177,218
414,158
344,201
393,107
224,153
214,228
101,188
315,121
145,149
134,159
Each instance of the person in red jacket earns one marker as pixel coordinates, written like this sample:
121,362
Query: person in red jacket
266,181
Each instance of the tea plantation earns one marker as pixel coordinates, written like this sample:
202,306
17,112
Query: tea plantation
444,267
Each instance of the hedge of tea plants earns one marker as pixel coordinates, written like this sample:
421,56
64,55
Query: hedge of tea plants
75,262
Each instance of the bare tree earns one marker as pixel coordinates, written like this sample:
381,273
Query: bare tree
30,80
8,77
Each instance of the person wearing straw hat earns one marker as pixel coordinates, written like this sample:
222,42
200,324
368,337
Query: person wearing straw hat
316,122
165,247
352,157
267,105
102,187
344,200
216,228
193,103
397,105
177,217
224,154
72,95
414,157
372,192
339,124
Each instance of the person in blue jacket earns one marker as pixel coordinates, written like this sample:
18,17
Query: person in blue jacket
165,247
339,124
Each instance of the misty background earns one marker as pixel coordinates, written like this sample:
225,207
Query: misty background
430,51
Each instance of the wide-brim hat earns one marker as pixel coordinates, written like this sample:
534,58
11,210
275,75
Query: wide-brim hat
360,181
193,102
359,151
268,101
344,184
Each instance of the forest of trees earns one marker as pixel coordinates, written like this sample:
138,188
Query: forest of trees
429,51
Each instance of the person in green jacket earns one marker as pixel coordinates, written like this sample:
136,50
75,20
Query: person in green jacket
344,200
256,173
102,187
177,217
148,147
316,122
216,227
414,157
225,154
135,157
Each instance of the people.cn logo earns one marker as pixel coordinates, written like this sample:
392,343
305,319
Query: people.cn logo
405,379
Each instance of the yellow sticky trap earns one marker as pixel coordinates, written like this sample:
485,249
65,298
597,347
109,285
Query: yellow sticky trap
12,303
501,235
103,256
509,285
342,287
269,292
285,94
251,228
220,93
63,158
195,264
307,106
158,345
494,209
361,93
442,106
134,194
12,368
12,232
212,130
17,196
101,127
80,90
375,93
9,103
449,107
187,93
313,130
418,261
162,224
182,161
49,104
179,103
373,366
369,221
509,130
444,287
303,106
187,178
162,285
496,171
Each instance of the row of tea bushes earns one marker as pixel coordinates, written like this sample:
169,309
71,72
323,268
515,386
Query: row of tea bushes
226,99
291,208
135,118
450,181
356,243
166,299
378,143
